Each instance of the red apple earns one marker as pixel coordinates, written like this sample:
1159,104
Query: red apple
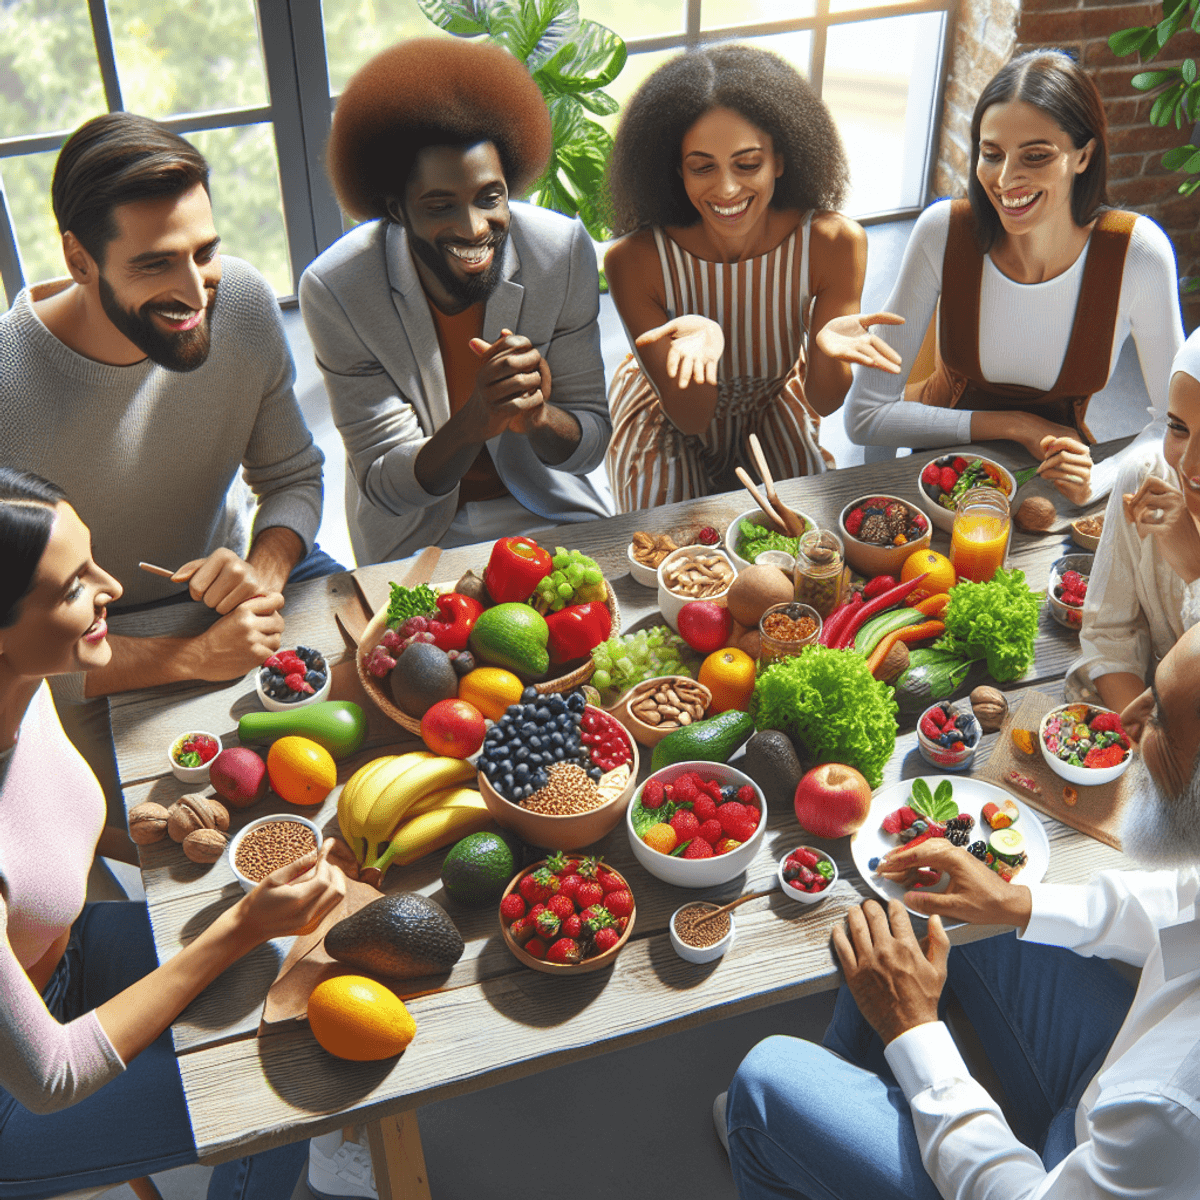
454,728
705,625
832,800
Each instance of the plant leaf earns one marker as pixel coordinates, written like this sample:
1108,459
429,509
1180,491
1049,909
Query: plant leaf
1163,108
463,17
938,806
591,60
1129,41
1174,158
1144,81
534,30
1188,70
598,102
922,797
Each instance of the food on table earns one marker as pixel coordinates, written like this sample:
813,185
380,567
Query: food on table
491,690
997,620
820,571
239,776
939,572
605,739
832,800
669,703
410,602
1084,736
338,725
784,627
697,574
454,728
712,740
358,1019
990,707
1008,845
840,631
477,869
291,675
1091,527
704,625
301,771
513,636
756,589
947,479
515,567
622,662
147,823
456,618
651,548
1025,740
205,846
472,585
729,675
575,631
828,701
569,790
272,845
575,579
881,521
1071,588
931,673
705,817
423,675
401,936
190,813
1035,515
772,763
1001,816
435,820
754,539
194,749
808,870
951,733
1070,795
694,930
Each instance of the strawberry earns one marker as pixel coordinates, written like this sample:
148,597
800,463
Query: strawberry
932,475
558,862
710,788
588,867
275,662
685,789
619,903
891,823
536,911
296,683
929,727
596,917
747,795
742,830
705,809
753,814
569,886
960,464
522,930
710,831
561,906
589,893
949,479
547,925
531,891
609,881
685,824
1106,722
512,908
698,848
653,794
605,939
731,814
572,927
622,924
1110,756
805,857
535,947
566,951
854,520
907,816
726,844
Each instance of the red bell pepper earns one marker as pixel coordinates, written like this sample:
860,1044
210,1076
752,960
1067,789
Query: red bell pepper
577,630
515,568
458,616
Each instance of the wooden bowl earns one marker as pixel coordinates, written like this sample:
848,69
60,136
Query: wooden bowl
650,735
598,963
1089,541
869,560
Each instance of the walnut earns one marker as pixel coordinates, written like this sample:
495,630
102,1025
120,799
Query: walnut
195,812
990,707
1035,515
204,845
147,823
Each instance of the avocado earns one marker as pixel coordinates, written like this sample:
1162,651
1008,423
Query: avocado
338,725
402,936
478,868
771,761
422,676
513,636
714,740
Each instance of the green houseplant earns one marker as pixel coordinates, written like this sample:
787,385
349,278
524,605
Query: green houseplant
573,60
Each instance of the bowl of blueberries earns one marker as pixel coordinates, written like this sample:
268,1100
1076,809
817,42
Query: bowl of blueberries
948,738
293,678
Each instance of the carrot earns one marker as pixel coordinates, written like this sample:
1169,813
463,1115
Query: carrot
907,634
933,606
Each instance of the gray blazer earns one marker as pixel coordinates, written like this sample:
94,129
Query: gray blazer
375,341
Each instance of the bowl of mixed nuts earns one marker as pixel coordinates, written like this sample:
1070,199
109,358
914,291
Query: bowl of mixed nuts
657,706
692,573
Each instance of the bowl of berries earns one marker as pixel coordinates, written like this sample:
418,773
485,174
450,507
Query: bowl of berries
191,754
947,737
293,678
806,874
1084,744
944,480
1068,587
880,532
696,824
567,915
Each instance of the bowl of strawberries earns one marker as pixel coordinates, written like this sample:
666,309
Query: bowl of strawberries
567,915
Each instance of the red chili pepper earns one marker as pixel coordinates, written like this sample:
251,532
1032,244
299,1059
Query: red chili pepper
459,614
866,611
514,569
577,629
832,628
878,585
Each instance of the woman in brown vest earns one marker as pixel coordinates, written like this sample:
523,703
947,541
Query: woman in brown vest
1039,282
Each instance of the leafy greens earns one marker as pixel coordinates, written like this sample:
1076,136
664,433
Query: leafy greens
939,805
997,620
410,602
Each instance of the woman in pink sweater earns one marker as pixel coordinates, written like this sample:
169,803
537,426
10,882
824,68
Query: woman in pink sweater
90,1092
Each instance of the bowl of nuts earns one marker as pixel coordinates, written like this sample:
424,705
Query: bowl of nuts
654,708
645,553
269,843
880,532
699,937
692,573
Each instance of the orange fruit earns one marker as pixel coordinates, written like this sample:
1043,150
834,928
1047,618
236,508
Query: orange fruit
491,690
729,675
661,837
300,770
941,575
354,1017
453,728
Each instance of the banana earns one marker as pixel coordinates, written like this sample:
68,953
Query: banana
450,797
363,788
393,801
435,828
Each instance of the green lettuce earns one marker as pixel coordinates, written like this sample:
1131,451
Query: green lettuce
420,601
997,621
830,702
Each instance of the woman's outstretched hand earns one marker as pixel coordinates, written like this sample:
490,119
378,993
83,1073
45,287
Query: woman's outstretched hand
697,345
850,339
1159,510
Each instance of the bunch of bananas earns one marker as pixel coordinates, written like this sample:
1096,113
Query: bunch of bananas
401,806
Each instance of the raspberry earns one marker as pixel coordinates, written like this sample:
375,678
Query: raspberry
932,475
854,520
297,684
512,908
708,536
653,794
731,814
711,831
685,825
1110,756
684,789
891,823
1072,581
274,662
959,464
907,816
710,788
743,831
753,815
949,479
698,848
705,809
747,795
1106,722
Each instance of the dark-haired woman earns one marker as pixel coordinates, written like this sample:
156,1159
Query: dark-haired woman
723,178
1040,283
90,1092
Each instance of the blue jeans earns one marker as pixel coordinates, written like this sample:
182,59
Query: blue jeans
137,1123
806,1125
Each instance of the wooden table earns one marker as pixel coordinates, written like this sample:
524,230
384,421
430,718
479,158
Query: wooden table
495,1020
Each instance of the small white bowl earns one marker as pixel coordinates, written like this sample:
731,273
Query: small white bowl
943,518
942,758
249,885
1065,614
1082,776
273,705
697,954
794,892
669,603
757,517
646,576
192,774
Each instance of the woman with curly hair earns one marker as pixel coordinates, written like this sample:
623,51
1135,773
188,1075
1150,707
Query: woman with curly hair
723,179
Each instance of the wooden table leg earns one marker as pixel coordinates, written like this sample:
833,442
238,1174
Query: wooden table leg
398,1159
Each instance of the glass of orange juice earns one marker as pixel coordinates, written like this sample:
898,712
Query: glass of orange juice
979,539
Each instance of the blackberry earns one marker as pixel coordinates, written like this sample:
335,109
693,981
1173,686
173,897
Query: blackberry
963,821
979,849
957,837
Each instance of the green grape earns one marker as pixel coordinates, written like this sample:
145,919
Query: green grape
602,680
592,574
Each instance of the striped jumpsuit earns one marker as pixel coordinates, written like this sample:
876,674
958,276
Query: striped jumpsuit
762,305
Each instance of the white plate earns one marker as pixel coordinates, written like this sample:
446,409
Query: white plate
970,795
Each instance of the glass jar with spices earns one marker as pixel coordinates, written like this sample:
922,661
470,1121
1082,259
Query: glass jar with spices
979,537
820,570
784,630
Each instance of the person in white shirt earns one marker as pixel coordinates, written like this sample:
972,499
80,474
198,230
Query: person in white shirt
1104,1082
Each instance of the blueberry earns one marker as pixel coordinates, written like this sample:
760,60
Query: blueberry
318,662
315,680
576,703
729,792
919,826
558,704
791,874
506,765
872,865
534,743
595,773
557,739
530,695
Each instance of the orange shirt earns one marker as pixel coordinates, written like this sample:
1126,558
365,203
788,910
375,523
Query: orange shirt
482,481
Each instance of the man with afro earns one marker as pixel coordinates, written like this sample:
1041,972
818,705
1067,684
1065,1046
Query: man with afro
457,332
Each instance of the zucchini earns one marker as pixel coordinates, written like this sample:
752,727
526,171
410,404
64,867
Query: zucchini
877,628
931,675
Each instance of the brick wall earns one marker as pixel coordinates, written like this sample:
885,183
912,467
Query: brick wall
1136,176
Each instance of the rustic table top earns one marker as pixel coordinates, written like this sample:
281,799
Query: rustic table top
493,1019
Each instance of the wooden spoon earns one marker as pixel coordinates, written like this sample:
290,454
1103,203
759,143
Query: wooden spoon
761,500
793,522
716,912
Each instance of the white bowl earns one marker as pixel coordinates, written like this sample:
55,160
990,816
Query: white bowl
669,603
758,517
273,705
646,576
1067,616
1083,776
698,872
249,885
794,892
192,774
696,954
943,518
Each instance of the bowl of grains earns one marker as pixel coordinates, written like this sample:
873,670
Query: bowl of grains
699,937
654,708
269,843
692,573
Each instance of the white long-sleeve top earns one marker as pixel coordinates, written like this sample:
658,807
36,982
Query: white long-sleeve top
1023,336
1137,1127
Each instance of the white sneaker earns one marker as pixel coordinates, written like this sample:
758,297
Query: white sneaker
338,1169
719,1122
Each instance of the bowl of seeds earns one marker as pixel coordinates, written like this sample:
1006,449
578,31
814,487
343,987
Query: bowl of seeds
654,708
692,573
699,937
269,843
